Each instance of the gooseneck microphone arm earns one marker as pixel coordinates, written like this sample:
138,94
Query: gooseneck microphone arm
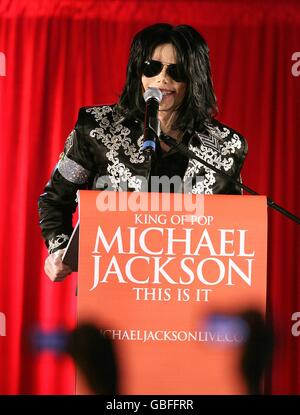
190,154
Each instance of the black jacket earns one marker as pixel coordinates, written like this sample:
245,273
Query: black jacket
104,149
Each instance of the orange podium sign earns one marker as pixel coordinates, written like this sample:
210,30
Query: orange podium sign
156,280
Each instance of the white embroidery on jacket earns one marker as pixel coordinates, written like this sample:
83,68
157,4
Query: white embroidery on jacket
216,154
216,132
113,136
57,242
215,148
230,147
69,142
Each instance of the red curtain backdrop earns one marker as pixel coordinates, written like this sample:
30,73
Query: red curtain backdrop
60,55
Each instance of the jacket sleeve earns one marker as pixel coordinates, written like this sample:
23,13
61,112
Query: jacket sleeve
239,158
57,203
239,162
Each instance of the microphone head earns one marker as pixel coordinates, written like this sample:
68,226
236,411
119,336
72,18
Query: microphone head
153,92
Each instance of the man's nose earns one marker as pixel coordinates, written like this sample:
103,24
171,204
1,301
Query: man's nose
163,76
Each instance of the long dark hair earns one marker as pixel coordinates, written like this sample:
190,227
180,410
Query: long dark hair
192,55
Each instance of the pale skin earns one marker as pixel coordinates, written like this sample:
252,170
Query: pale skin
54,267
175,91
173,95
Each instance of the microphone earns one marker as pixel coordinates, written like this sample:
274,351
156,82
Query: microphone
152,96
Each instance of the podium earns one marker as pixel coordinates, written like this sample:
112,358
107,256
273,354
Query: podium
169,283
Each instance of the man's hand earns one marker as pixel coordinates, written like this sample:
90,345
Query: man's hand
54,268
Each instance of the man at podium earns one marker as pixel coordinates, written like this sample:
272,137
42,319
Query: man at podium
108,140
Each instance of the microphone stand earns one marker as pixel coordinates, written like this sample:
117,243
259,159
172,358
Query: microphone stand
190,154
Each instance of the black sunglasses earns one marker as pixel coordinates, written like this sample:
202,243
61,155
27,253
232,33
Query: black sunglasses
152,68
